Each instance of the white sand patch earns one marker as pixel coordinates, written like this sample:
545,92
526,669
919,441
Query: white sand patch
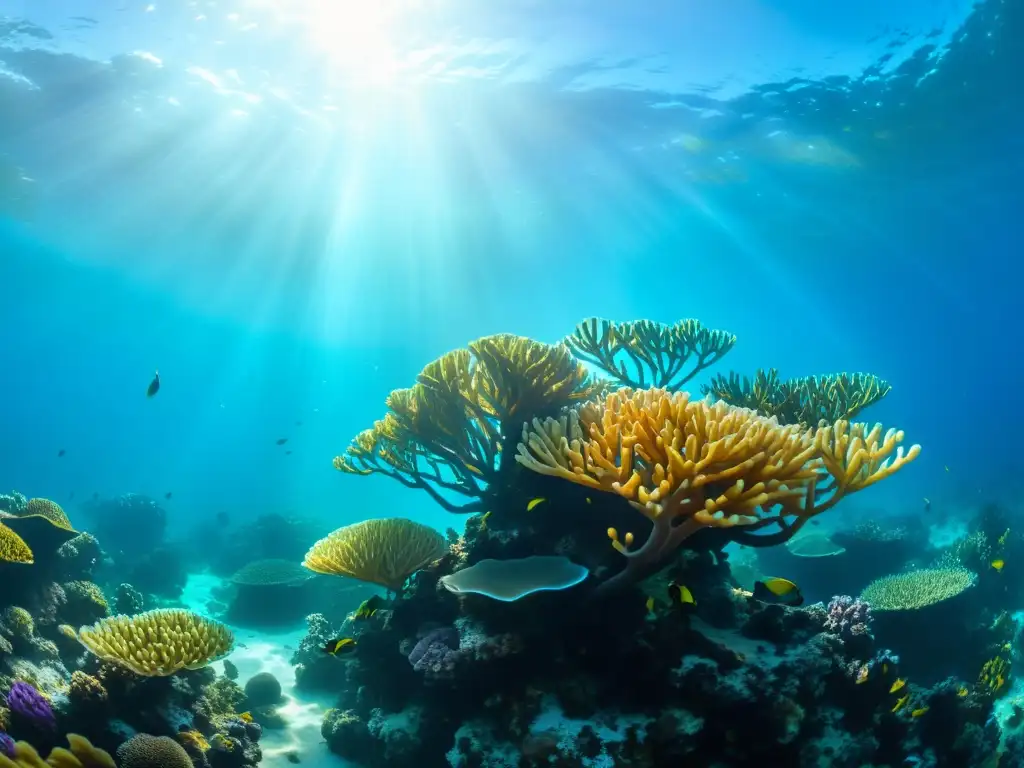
257,651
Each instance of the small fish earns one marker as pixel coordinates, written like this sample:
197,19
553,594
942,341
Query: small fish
650,604
1002,539
740,592
288,452
863,674
154,385
998,564
168,495
680,594
534,502
61,452
918,712
781,591
927,504
483,519
900,682
282,440
900,702
340,647
589,501
885,669
368,608
946,468
962,693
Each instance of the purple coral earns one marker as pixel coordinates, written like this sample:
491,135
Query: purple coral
437,653
6,745
848,617
28,703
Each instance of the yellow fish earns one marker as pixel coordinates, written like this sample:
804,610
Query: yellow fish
900,682
650,604
998,564
919,712
962,693
368,608
340,647
681,594
534,502
483,519
900,702
1002,539
588,500
862,674
885,669
778,590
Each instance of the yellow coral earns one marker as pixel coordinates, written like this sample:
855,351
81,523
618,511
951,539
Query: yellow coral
50,510
193,739
158,643
644,353
692,464
13,548
386,551
82,754
448,432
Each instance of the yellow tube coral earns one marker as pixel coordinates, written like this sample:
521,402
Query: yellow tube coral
385,552
692,464
158,643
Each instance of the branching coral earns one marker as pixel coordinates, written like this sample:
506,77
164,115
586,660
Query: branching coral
643,353
917,589
692,464
158,643
386,551
447,434
806,400
13,548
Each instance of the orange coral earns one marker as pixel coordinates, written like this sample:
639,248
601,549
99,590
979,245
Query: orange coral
692,464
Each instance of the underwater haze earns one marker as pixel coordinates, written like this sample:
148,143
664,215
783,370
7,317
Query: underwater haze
283,210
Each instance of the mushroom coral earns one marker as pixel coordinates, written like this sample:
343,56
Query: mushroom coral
448,432
158,643
385,551
691,464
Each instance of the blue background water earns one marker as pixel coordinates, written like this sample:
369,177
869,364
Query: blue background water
289,221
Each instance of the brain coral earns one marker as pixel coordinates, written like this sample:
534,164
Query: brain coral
13,548
51,510
271,572
917,589
158,643
385,551
145,751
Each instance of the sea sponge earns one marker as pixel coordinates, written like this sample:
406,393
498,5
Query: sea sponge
82,754
385,551
13,548
145,751
692,464
50,510
917,589
448,431
644,353
158,643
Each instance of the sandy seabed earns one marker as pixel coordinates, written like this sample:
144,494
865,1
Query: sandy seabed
256,652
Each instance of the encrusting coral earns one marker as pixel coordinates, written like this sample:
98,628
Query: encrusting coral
158,643
805,400
659,355
691,464
448,433
385,551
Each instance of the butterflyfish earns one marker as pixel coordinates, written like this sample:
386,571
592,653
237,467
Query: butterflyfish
781,591
534,502
340,647
900,682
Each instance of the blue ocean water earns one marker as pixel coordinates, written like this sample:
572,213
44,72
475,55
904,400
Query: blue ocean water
288,210
289,207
